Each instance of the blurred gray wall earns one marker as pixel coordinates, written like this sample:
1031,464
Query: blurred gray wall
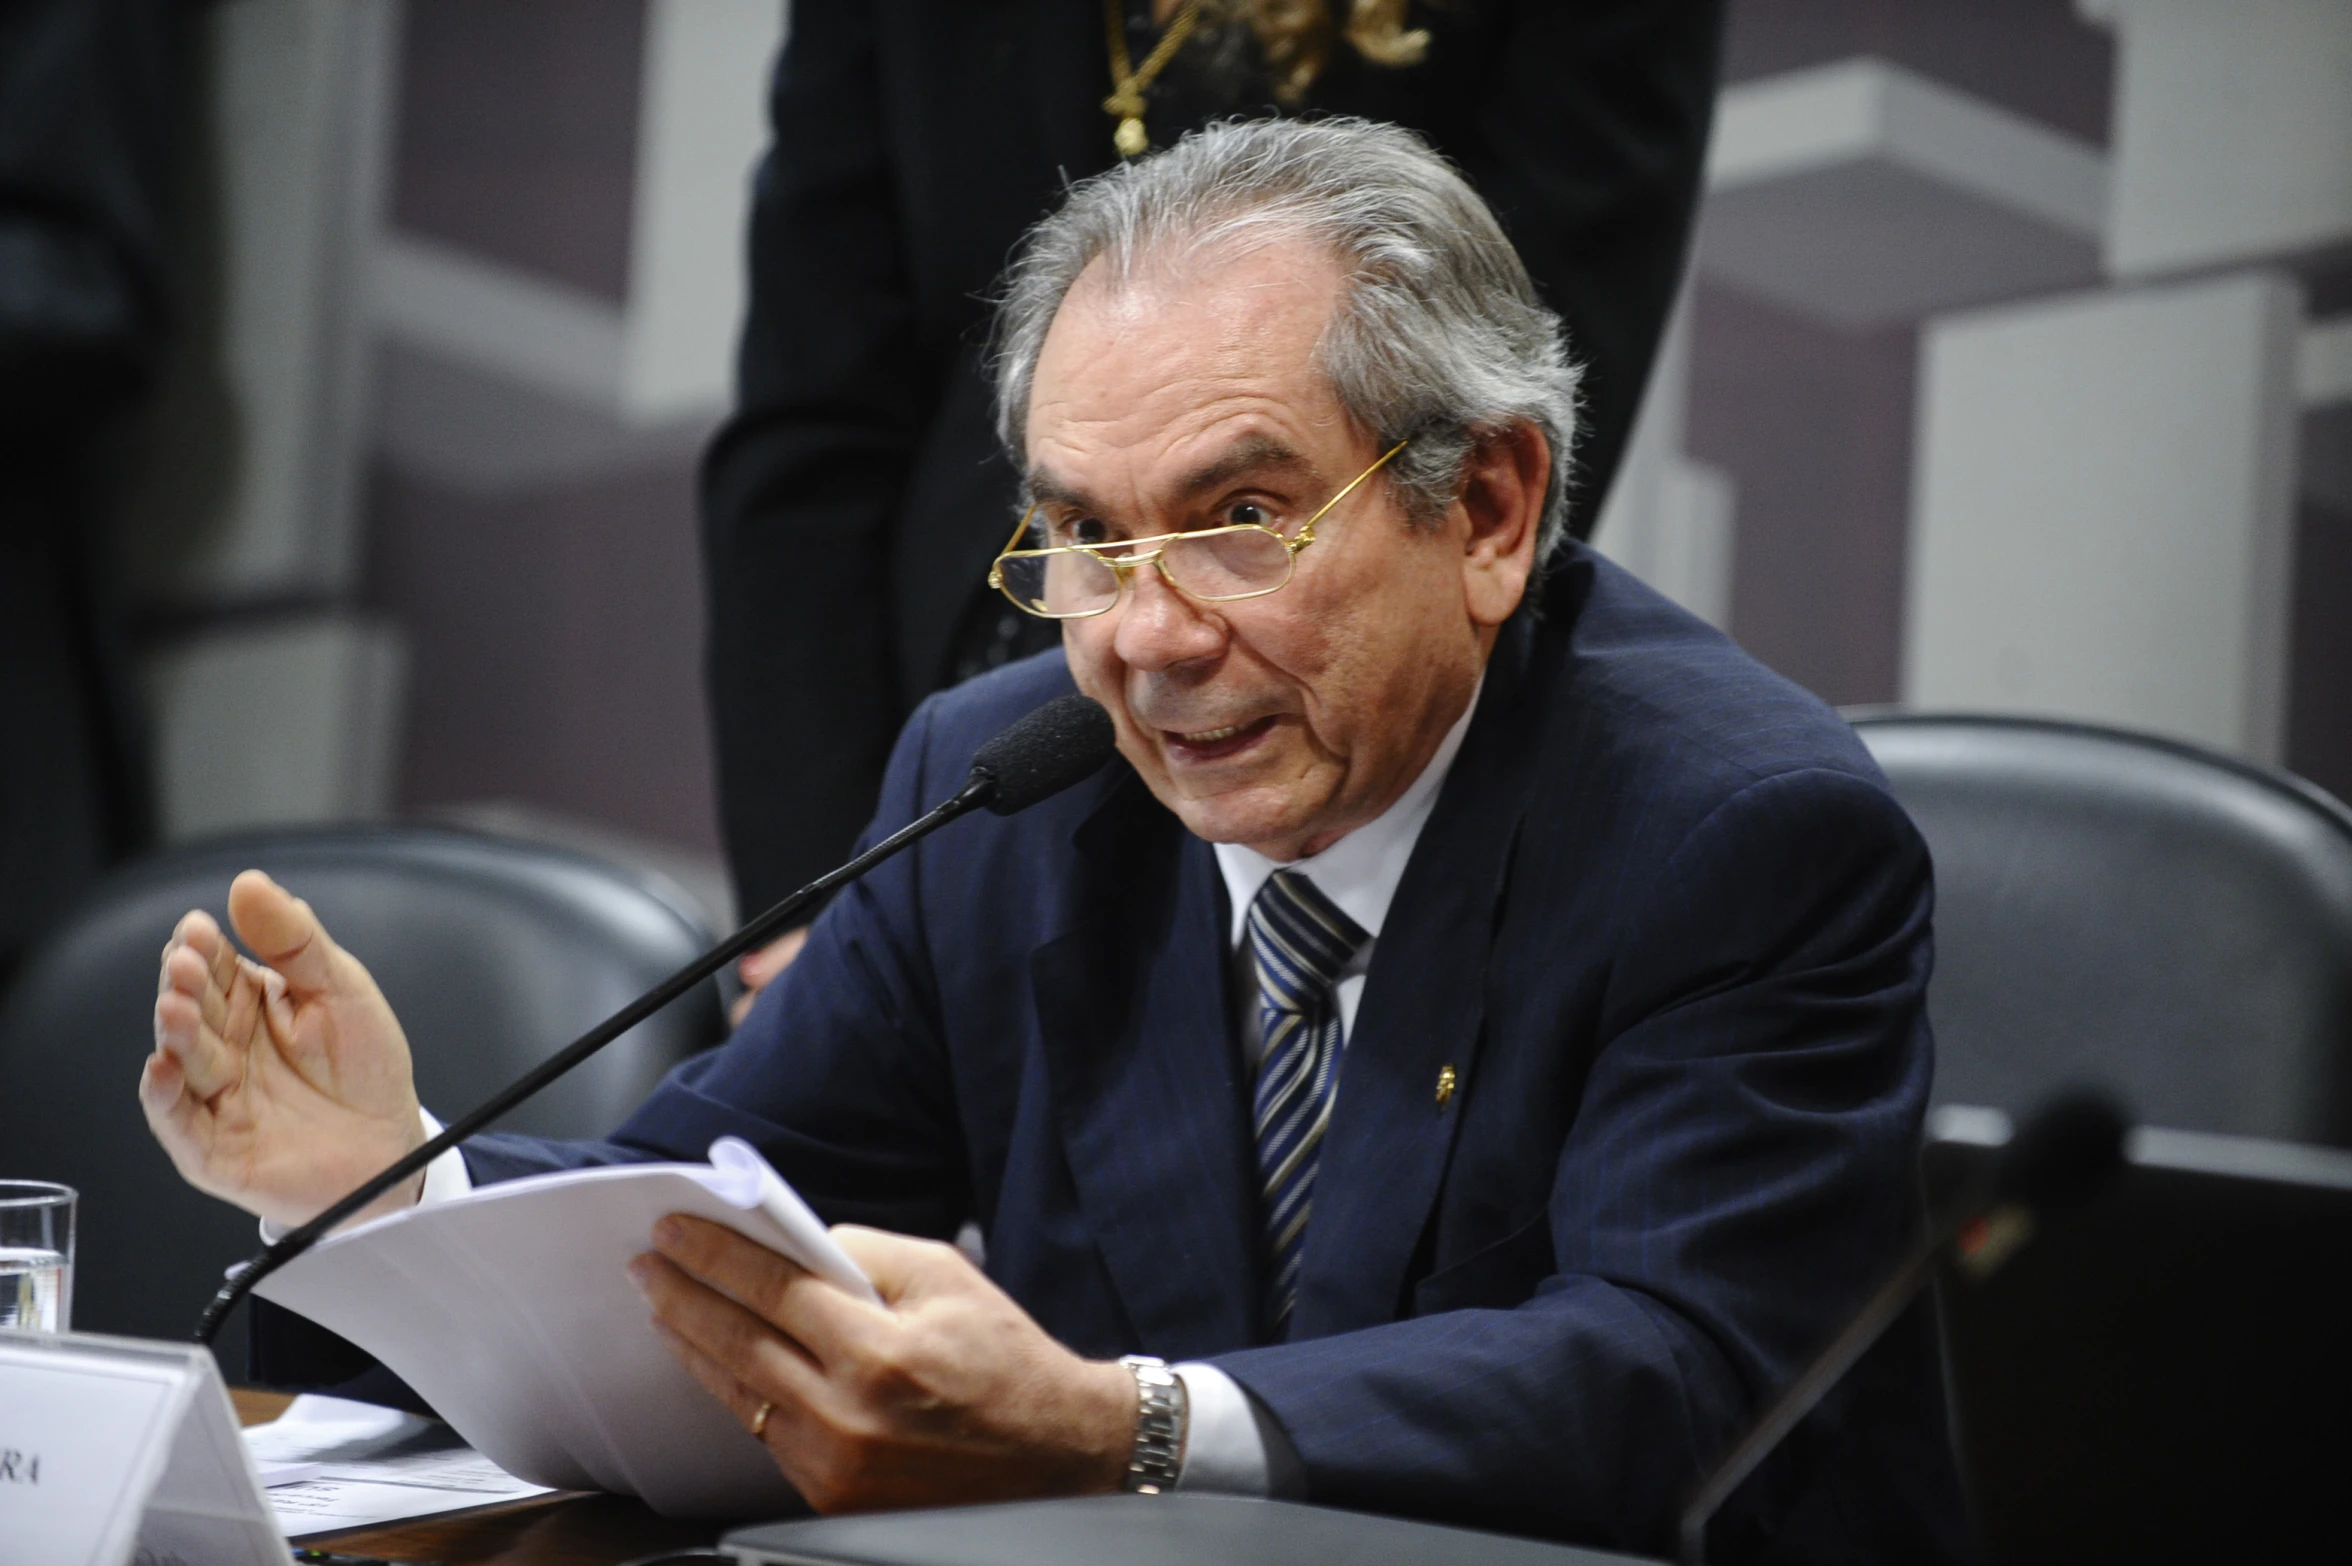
2015,366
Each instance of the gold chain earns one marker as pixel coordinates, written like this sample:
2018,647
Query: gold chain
1125,104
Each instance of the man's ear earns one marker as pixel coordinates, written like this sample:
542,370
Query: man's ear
1503,487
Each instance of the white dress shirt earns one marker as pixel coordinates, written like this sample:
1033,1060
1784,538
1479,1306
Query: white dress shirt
1232,1446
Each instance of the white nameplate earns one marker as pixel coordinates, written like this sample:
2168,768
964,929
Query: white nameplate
121,1450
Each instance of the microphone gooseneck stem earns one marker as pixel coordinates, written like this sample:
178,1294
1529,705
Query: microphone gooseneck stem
2070,1147
971,796
1808,1389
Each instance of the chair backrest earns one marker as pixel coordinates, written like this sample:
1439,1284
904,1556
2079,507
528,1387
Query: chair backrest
2118,909
493,952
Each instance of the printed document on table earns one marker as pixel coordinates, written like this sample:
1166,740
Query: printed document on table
354,1465
511,1313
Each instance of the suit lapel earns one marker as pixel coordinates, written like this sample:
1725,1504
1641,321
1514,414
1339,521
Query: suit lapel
1132,1009
1385,1153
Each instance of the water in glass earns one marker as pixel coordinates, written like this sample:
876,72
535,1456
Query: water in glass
32,1284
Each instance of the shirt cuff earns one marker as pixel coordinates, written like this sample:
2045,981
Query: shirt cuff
1231,1445
445,1177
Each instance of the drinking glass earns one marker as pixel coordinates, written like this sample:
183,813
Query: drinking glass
36,1255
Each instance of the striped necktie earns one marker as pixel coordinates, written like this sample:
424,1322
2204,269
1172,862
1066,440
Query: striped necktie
1299,943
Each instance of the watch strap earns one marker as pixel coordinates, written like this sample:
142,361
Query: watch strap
1160,1412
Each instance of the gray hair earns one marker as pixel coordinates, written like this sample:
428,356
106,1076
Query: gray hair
1438,339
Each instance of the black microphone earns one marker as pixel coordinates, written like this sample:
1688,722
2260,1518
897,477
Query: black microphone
2061,1156
1061,743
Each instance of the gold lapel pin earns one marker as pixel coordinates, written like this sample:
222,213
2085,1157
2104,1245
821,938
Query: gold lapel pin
1446,1078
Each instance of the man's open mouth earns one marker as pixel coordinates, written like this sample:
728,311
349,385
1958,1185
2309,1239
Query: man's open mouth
1218,743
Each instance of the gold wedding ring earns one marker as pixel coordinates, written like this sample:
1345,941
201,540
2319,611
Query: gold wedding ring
759,1421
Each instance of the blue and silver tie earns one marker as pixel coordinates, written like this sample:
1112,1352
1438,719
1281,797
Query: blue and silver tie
1299,942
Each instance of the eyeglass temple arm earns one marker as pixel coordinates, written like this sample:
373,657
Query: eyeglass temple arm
996,566
1306,534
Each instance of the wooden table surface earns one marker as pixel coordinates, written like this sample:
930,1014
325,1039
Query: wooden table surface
564,1529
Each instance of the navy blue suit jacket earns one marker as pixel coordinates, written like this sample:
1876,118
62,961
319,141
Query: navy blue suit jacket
1669,929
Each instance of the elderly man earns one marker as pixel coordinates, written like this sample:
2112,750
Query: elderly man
1485,1053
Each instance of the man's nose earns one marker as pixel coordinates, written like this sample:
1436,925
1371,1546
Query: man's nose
1159,627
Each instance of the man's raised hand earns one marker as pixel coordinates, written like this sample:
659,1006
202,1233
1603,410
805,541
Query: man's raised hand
280,1084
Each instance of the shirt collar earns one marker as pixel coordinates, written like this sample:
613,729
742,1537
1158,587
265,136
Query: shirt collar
1360,872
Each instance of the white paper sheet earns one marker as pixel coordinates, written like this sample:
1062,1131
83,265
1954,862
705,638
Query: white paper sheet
274,1474
510,1312
316,1429
319,1506
354,1465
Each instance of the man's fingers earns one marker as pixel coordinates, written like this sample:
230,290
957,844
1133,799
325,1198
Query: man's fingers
900,1267
760,967
184,971
176,1117
179,1120
221,958
160,1086
197,958
283,932
201,1025
178,1018
720,1382
813,1313
724,1259
207,1063
747,1348
164,1096
176,947
204,982
198,931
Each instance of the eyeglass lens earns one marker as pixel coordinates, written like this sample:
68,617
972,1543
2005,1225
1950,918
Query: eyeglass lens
1228,563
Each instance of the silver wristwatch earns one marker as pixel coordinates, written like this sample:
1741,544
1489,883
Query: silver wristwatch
1159,1425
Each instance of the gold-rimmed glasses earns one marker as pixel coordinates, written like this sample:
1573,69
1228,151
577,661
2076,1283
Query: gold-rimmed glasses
1216,565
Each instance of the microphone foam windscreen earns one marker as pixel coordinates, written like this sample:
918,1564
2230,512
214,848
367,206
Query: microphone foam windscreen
2064,1152
1039,755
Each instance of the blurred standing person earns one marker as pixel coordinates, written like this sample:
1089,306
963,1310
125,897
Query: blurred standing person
91,93
852,503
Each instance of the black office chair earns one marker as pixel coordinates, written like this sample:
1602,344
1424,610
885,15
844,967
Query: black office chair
494,953
2116,908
